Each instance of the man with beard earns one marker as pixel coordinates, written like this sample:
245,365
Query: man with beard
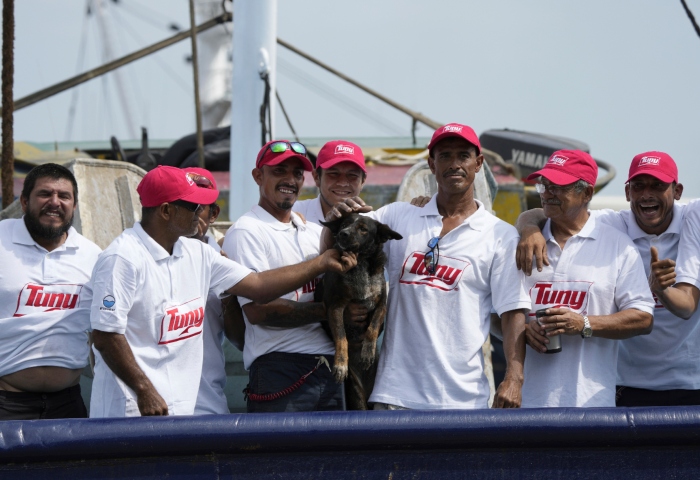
340,173
43,329
284,340
149,291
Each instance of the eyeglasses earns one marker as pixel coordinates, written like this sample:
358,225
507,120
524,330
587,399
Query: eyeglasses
432,256
189,206
553,189
280,147
200,180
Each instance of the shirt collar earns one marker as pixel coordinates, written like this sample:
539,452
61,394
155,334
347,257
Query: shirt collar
154,248
589,230
265,217
475,221
21,236
635,231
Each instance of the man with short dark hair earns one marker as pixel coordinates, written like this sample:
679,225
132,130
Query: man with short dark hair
149,291
43,319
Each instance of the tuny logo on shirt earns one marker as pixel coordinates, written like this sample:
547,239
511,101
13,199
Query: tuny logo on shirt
573,295
452,128
446,276
35,298
644,161
347,149
558,160
657,303
306,293
182,322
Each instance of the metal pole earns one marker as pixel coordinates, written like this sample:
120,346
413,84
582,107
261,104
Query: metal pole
417,116
8,71
195,72
120,62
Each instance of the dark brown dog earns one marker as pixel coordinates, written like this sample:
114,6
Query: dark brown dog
364,284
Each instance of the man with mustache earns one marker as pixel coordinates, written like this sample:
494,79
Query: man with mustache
288,354
593,292
658,369
43,322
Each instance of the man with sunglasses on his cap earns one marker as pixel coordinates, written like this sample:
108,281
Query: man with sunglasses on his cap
284,340
452,267
149,290
340,173
653,369
593,291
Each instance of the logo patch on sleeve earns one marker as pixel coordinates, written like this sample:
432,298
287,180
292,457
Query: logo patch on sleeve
446,276
35,298
182,321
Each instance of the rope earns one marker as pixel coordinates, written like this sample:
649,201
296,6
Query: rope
691,17
267,397
265,114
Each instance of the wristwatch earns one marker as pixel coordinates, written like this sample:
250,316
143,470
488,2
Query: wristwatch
587,332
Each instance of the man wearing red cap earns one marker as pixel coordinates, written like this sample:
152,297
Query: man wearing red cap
285,345
149,291
653,369
340,173
453,266
593,291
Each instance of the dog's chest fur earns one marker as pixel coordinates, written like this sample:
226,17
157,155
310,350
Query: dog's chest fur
365,283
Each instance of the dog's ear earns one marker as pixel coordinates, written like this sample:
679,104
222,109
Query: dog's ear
384,233
333,226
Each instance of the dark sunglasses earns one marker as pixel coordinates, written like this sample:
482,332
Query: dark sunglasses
200,180
432,256
189,206
281,147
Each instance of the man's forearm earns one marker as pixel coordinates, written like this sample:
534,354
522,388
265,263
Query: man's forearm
513,327
266,286
117,354
234,324
531,218
624,324
680,299
285,313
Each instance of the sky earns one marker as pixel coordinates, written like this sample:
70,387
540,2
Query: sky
620,76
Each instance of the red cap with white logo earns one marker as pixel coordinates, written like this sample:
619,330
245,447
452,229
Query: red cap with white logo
568,166
455,130
337,151
166,184
659,165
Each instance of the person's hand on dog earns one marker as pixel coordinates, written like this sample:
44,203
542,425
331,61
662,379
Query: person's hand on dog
346,207
420,201
334,261
508,394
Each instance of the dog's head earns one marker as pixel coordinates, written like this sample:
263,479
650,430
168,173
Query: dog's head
360,234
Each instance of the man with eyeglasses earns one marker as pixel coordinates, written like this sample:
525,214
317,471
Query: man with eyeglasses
149,290
287,353
592,289
453,266
654,369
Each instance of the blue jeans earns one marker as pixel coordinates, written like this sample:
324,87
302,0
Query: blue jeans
276,371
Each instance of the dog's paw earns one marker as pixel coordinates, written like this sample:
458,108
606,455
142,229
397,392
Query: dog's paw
368,354
340,372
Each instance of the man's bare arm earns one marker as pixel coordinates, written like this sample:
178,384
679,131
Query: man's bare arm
680,299
285,313
234,324
509,393
117,354
532,243
617,326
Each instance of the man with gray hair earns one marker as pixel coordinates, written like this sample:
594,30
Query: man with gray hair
593,292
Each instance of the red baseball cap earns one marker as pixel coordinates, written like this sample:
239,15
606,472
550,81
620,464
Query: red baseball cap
455,130
166,184
271,158
339,151
659,165
568,166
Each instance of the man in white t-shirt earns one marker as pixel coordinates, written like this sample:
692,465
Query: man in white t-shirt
593,292
340,173
284,340
658,369
44,264
452,267
149,290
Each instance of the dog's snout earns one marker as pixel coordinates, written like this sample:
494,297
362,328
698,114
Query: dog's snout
343,235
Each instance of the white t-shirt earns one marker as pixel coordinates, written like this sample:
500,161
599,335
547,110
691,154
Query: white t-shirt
261,242
157,301
211,398
436,324
599,272
44,319
669,357
688,263
311,209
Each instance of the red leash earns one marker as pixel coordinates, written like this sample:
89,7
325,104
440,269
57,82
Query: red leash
267,397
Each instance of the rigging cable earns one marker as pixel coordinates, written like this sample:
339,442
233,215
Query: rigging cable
78,68
691,17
